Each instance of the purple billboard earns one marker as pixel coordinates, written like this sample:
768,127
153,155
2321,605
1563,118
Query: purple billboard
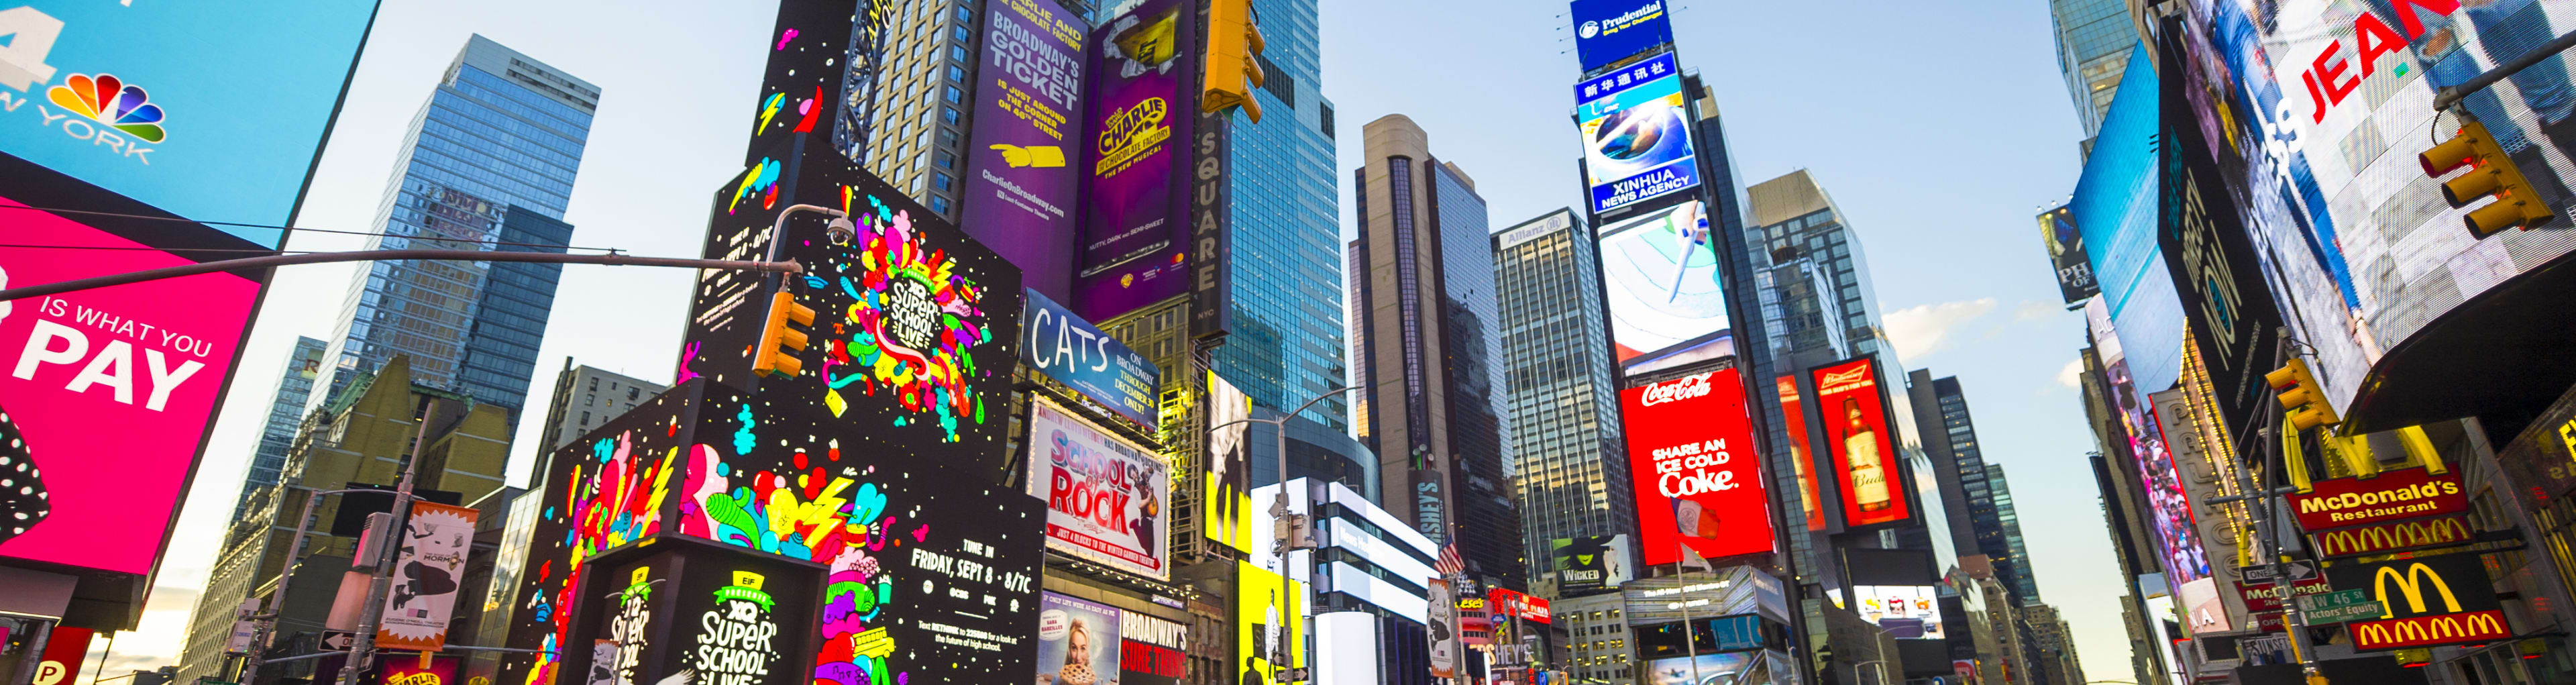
1135,241
1020,191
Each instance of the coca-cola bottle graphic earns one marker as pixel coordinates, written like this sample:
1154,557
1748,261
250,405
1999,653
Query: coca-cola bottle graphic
1868,467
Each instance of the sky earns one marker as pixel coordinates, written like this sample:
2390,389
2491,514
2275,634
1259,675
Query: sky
1938,128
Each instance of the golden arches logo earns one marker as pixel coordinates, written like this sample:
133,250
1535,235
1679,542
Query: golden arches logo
2412,582
2393,536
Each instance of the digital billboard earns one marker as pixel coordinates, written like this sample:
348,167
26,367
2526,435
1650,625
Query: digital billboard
1135,233
151,102
1269,624
2142,438
2340,197
1636,128
1801,454
109,392
1077,640
1081,356
2066,254
2217,273
1705,669
1606,31
2115,210
1697,473
1664,283
1021,179
1872,477
1105,496
1227,482
1904,611
1592,563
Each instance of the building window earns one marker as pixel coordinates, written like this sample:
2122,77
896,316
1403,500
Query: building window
955,95
939,204
585,419
956,73
939,180
947,161
962,35
949,114
957,52
963,15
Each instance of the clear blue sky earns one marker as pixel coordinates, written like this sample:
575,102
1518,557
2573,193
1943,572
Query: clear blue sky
1938,127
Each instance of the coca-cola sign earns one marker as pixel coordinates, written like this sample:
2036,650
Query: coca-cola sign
1697,472
1683,388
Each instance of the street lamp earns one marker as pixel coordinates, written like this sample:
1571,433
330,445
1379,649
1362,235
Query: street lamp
1287,539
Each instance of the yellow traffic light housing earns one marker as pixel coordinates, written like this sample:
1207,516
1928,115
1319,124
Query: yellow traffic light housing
779,336
2299,393
1232,72
2491,174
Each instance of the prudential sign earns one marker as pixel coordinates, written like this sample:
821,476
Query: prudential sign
1607,31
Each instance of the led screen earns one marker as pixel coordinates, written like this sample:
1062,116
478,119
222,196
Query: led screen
1227,480
1077,640
2142,437
2066,254
1706,669
1591,564
1021,180
1660,274
1105,496
1636,133
108,392
1697,473
211,111
1864,453
1607,31
1077,354
2329,109
1270,624
1135,236
1801,454
1904,611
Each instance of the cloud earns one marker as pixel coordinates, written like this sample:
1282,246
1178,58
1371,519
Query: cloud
2035,310
1921,330
2072,375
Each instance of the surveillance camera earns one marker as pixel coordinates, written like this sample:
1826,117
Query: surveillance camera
842,230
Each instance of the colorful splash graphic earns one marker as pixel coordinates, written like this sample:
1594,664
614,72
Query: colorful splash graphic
761,181
914,326
106,100
616,497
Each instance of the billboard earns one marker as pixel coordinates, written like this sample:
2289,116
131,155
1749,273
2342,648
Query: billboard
1105,497
1135,232
2114,208
1077,640
1864,453
1705,669
2425,601
1151,651
1904,611
1270,624
135,371
1697,472
152,102
1021,187
1607,31
2389,496
1077,354
1801,454
1228,490
436,540
1665,286
2234,321
1510,604
1440,628
2324,108
66,648
1636,128
2066,254
1592,563
2168,506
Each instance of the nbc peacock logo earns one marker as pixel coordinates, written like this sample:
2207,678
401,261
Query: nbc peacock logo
107,100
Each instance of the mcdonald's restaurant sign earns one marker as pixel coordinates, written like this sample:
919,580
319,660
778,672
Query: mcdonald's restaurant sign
2428,601
2390,496
2394,536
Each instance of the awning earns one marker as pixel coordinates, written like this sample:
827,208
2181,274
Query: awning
2502,356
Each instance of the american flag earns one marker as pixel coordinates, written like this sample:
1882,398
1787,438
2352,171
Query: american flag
1449,564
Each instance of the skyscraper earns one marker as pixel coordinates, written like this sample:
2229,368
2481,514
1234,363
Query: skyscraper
1286,343
586,397
285,413
503,134
1560,385
2093,42
1974,489
912,70
1422,274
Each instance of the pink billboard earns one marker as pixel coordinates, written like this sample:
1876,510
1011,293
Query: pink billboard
105,394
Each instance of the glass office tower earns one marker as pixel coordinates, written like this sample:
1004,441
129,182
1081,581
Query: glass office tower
502,135
1559,385
2093,41
285,414
1286,346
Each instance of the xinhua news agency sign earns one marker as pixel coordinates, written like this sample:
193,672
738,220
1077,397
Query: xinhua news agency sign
2427,601
2391,496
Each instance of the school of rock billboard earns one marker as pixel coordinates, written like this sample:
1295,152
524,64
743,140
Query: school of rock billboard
1106,498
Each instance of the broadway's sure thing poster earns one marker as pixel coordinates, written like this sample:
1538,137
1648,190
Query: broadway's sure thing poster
1105,496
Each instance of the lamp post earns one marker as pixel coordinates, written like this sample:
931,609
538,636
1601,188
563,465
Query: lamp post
1279,507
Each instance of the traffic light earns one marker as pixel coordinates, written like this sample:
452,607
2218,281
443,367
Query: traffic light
2491,173
1232,72
2299,393
780,336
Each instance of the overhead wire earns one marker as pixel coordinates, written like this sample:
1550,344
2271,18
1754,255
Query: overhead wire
291,230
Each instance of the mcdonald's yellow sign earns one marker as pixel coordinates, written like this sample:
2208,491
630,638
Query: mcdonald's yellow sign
2390,537
2420,631
2434,600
